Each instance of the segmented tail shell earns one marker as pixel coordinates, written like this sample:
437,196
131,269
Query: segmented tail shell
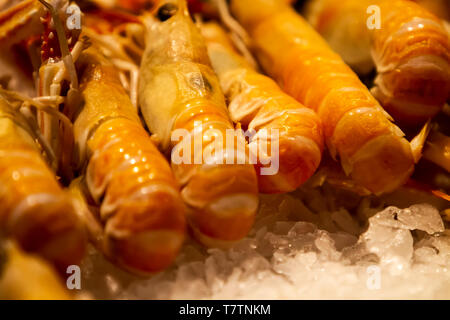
412,55
292,131
222,197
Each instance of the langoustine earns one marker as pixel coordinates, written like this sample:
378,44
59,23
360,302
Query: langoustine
257,103
370,147
141,222
35,210
409,46
179,91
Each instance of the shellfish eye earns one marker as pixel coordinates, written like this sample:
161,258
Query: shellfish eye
167,11
199,81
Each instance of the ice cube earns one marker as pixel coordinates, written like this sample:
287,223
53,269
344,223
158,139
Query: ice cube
422,217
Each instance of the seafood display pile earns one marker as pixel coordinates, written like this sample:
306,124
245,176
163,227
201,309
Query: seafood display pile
173,149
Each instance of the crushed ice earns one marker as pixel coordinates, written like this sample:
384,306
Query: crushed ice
307,245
